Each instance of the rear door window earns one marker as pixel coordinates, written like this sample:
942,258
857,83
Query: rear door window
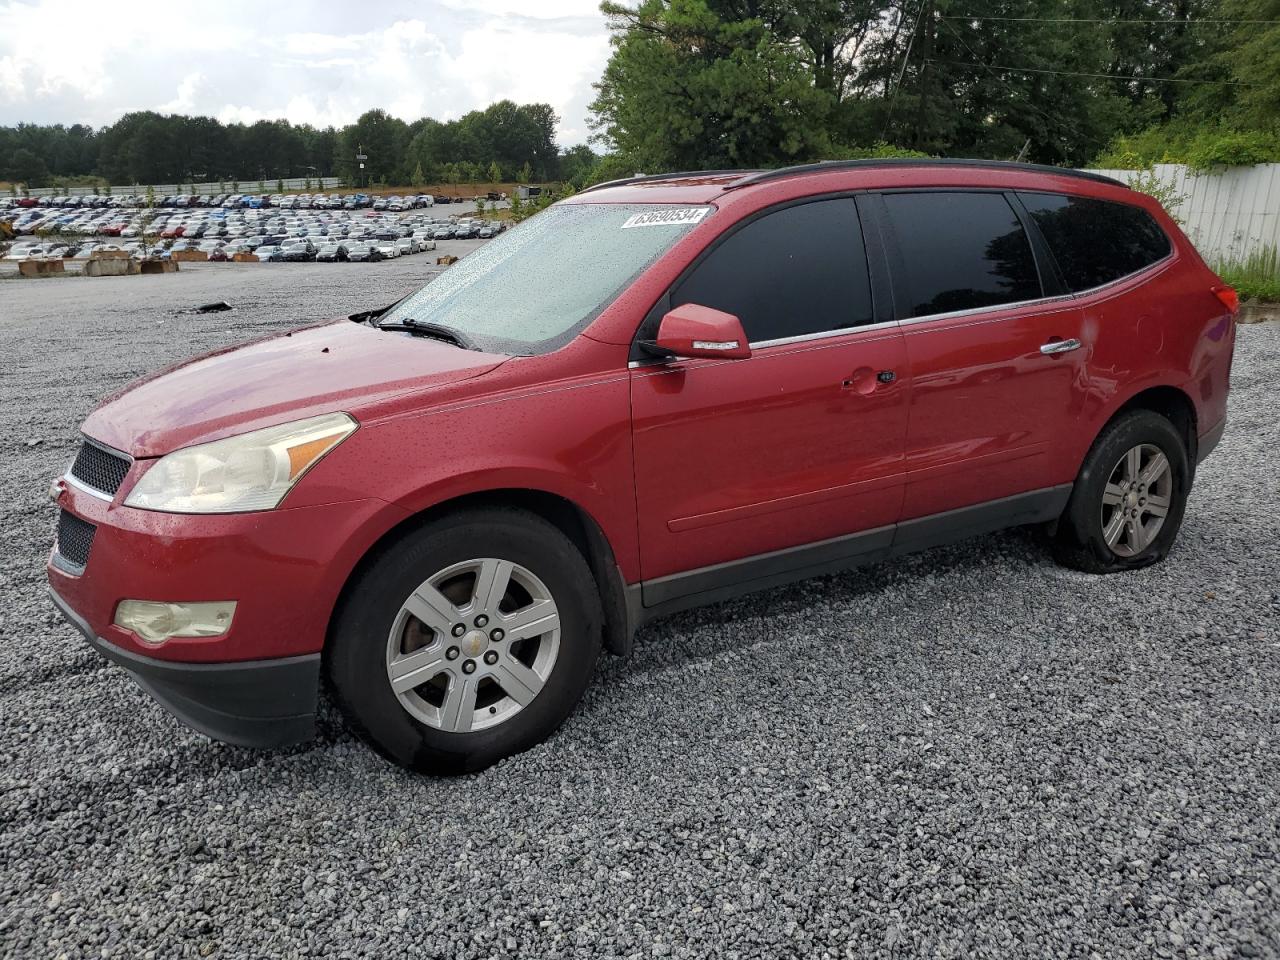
795,271
1096,241
959,251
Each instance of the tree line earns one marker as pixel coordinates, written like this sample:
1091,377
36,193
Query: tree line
697,84
503,142
732,83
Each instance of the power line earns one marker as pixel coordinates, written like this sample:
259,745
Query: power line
1179,23
1052,120
1100,76
893,100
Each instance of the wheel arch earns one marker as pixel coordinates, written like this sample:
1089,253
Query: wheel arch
1172,403
582,529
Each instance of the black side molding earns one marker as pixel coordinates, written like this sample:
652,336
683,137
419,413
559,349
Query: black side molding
1038,506
656,598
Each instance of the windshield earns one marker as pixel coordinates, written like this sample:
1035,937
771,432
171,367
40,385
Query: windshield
532,288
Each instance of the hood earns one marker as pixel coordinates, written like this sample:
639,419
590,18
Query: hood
337,366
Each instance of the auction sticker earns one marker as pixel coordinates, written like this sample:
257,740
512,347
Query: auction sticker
676,217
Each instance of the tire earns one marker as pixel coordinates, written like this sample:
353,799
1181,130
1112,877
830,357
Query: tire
427,727
1107,484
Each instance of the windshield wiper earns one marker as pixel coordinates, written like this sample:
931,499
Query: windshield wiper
436,331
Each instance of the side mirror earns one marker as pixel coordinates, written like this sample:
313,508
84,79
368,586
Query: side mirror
691,330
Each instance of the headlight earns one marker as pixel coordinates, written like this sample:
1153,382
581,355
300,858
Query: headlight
249,472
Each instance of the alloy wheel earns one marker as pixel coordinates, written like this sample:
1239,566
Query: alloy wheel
473,645
1136,500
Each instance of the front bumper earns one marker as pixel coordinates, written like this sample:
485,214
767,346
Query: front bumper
253,703
284,568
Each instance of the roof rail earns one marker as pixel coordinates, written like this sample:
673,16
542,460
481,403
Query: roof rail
658,177
764,176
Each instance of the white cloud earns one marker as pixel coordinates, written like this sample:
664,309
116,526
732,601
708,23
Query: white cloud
315,44
66,61
185,101
542,10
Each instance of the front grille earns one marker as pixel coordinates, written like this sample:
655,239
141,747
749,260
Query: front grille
100,469
75,537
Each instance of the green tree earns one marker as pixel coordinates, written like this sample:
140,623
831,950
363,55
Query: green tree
1246,60
526,174
495,172
148,147
382,138
688,87
419,177
1027,85
26,167
1227,112
576,165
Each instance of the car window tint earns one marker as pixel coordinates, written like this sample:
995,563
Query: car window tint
794,271
960,251
1096,241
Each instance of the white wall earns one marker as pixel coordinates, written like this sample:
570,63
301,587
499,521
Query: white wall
1228,213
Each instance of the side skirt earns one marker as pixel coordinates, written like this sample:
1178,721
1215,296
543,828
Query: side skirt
662,596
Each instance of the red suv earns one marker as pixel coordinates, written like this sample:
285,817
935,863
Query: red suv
659,393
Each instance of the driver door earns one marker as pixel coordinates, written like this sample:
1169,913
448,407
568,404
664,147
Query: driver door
791,458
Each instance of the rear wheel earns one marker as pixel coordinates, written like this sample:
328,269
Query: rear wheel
468,641
1129,499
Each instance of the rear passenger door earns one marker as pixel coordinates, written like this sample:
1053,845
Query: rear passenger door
995,349
800,442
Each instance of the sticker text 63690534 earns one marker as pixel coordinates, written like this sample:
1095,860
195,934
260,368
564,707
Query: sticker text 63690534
676,216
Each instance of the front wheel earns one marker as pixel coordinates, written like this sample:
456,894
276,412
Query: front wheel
1129,499
467,641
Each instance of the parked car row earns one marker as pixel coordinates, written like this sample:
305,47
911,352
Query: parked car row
276,235
170,224
249,201
288,201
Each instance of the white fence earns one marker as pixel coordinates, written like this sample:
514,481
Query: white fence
274,185
1228,213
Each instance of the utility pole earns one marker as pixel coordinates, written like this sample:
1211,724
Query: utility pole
361,157
926,51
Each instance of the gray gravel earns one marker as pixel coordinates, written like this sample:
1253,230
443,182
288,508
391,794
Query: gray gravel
965,753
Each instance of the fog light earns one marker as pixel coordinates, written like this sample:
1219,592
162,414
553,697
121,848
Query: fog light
158,622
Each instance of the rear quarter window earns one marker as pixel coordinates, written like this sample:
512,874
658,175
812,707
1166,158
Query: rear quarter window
1096,241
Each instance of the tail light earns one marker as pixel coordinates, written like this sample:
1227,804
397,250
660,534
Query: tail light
1230,299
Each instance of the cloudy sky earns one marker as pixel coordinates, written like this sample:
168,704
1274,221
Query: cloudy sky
69,61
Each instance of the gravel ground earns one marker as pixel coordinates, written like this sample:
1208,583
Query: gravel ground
965,753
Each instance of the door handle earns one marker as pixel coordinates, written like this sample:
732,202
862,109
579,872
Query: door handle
864,380
1060,346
